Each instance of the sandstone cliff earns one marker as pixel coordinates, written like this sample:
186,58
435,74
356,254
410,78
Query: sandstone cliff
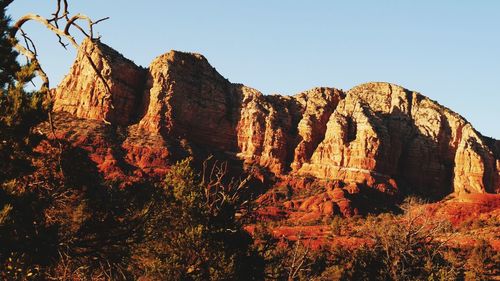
83,94
376,135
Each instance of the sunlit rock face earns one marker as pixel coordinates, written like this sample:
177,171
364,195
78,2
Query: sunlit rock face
382,130
376,135
83,93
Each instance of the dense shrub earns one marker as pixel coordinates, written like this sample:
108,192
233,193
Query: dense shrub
187,238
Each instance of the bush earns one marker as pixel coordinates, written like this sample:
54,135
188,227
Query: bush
188,238
480,262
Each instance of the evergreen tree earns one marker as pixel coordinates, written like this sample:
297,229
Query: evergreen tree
8,64
20,110
20,211
185,240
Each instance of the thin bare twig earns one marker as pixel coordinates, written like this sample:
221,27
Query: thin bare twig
53,26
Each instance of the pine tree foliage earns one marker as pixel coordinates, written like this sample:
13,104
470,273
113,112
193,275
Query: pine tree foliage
8,64
186,240
20,110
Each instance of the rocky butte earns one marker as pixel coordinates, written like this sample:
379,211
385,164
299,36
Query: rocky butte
376,138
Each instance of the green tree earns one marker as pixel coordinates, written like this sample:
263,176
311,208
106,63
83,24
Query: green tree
186,239
8,64
20,110
20,223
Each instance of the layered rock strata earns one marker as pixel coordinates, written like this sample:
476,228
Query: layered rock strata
377,134
84,94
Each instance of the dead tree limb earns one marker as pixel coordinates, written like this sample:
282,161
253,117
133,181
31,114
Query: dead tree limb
299,260
53,25
30,52
220,188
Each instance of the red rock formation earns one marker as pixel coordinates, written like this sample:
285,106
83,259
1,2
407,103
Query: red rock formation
318,105
277,132
83,94
386,131
186,98
377,135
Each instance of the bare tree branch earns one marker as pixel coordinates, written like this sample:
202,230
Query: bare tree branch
30,51
220,189
53,25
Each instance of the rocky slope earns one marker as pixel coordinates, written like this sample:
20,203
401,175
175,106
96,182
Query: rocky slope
376,136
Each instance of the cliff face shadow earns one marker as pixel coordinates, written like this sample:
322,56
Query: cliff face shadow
143,98
421,165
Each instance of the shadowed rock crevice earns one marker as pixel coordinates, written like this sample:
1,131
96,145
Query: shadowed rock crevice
351,130
318,106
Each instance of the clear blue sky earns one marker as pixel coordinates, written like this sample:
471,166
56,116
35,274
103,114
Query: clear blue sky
448,50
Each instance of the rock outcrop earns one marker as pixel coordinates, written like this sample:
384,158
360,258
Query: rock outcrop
382,131
376,135
82,92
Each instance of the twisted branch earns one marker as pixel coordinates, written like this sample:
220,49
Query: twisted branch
61,33
53,25
30,52
220,189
